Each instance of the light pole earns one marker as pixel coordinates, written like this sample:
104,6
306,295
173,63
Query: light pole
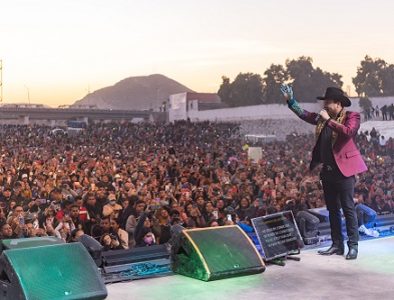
28,93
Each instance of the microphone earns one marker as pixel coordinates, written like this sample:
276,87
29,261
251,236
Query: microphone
318,115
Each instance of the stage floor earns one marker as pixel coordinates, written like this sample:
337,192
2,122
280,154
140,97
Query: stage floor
371,276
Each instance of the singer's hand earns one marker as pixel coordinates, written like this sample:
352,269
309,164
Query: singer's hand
324,115
287,91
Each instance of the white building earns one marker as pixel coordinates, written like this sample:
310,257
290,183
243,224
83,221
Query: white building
182,104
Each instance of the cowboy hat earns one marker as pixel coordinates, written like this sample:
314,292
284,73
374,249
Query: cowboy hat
333,93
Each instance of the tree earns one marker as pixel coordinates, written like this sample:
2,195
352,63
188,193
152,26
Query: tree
365,103
374,78
224,91
246,89
309,82
387,79
274,76
320,80
368,80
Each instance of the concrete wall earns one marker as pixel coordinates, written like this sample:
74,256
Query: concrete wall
256,112
379,101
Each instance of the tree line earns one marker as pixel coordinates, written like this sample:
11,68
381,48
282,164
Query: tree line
375,77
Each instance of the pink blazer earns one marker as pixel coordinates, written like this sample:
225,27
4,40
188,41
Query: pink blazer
346,154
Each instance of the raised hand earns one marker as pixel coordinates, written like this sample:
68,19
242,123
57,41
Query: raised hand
287,91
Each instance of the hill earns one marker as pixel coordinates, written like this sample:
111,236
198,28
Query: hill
134,93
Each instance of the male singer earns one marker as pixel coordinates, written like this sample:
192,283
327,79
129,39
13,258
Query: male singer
335,148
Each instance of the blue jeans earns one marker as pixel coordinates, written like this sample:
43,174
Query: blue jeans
365,215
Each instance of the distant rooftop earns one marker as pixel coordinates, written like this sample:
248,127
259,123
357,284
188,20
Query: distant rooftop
203,97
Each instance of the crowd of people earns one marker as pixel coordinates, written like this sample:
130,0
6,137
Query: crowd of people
280,128
385,112
128,184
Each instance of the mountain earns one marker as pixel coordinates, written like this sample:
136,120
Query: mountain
134,93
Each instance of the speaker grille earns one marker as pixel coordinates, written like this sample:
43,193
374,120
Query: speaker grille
56,272
225,249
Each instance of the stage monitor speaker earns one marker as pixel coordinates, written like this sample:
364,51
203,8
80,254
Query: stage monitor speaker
94,248
59,271
30,242
216,253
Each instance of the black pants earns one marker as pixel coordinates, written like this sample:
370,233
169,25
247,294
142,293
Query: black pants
338,193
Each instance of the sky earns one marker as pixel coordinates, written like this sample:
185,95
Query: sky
56,51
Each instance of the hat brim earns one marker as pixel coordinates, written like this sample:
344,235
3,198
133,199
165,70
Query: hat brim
344,100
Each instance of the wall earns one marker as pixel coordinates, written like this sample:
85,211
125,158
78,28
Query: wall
269,111
255,112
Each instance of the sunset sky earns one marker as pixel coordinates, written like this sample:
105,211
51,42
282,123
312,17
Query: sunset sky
55,51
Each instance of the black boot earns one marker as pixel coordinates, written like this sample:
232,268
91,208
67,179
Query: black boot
332,250
352,254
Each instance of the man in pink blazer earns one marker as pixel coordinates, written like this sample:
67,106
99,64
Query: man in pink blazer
335,148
